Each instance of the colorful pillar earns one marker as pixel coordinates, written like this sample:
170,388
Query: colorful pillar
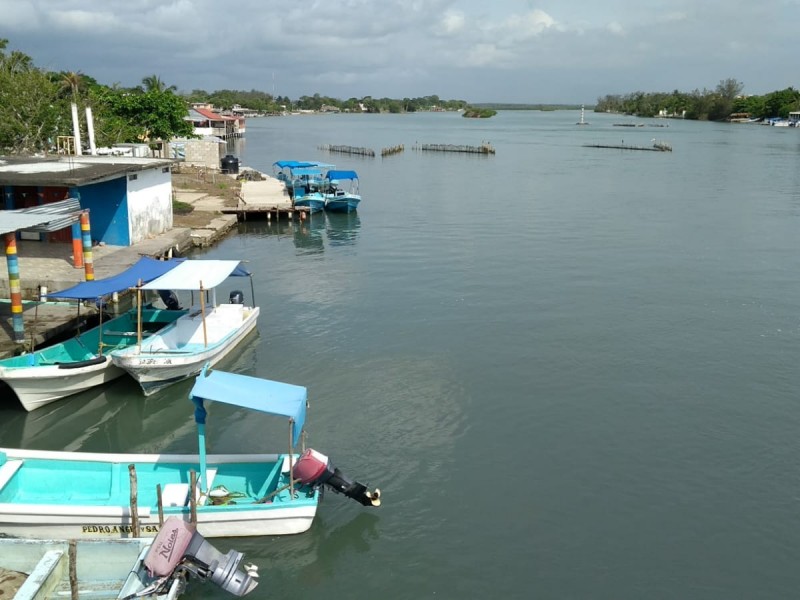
86,234
77,246
17,319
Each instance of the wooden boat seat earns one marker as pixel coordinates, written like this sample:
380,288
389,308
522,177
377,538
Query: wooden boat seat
7,471
175,494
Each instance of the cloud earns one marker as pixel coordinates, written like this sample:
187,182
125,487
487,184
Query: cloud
452,22
615,28
83,21
400,48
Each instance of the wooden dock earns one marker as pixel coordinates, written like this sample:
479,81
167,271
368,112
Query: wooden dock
265,199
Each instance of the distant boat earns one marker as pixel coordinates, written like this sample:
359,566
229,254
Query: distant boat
337,198
304,182
204,334
583,120
82,362
120,568
92,495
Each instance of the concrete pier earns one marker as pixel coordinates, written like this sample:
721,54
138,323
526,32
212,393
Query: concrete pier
264,198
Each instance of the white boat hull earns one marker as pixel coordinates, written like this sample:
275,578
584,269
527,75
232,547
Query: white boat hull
45,522
183,348
39,386
91,519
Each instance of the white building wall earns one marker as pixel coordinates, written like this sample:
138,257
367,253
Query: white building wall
149,203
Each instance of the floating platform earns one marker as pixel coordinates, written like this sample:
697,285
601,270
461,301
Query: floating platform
482,149
657,147
348,150
392,150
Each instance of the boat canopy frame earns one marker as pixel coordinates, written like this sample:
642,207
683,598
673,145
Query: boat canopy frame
252,393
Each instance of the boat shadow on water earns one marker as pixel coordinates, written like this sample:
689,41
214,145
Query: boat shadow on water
114,417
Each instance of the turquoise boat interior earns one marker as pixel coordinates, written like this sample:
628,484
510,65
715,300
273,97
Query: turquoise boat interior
117,333
91,483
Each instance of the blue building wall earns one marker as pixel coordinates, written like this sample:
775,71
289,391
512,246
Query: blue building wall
108,210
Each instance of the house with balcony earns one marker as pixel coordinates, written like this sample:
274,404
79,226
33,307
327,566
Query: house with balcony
207,122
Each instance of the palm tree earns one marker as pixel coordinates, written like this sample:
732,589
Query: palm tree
72,82
154,83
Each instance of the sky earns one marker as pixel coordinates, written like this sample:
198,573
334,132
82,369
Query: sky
515,51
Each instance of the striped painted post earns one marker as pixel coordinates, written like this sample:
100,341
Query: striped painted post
77,246
17,319
86,234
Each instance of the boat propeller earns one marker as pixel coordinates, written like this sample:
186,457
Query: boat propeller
315,469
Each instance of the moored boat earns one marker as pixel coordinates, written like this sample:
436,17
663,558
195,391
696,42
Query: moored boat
339,198
304,182
89,495
79,363
205,334
119,568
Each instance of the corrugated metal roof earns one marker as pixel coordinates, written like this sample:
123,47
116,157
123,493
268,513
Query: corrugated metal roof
45,218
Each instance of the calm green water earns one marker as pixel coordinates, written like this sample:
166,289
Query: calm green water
572,371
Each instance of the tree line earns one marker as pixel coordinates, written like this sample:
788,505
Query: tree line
265,103
704,105
35,106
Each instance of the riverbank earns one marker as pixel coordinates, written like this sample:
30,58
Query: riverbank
50,265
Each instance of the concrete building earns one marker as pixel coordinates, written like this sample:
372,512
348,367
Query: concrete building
129,199
206,122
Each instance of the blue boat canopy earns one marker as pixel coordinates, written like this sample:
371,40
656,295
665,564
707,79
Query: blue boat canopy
253,393
292,164
145,269
307,171
341,175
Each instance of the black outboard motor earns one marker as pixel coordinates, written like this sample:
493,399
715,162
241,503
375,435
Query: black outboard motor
170,299
237,297
315,469
179,550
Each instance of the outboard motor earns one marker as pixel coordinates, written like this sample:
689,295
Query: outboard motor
237,297
315,469
170,299
179,550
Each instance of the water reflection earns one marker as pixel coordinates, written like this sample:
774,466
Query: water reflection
313,558
343,228
309,234
312,234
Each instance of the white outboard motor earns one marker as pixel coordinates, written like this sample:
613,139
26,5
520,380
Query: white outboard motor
237,297
179,550
315,469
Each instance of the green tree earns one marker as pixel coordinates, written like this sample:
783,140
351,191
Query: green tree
151,115
31,111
